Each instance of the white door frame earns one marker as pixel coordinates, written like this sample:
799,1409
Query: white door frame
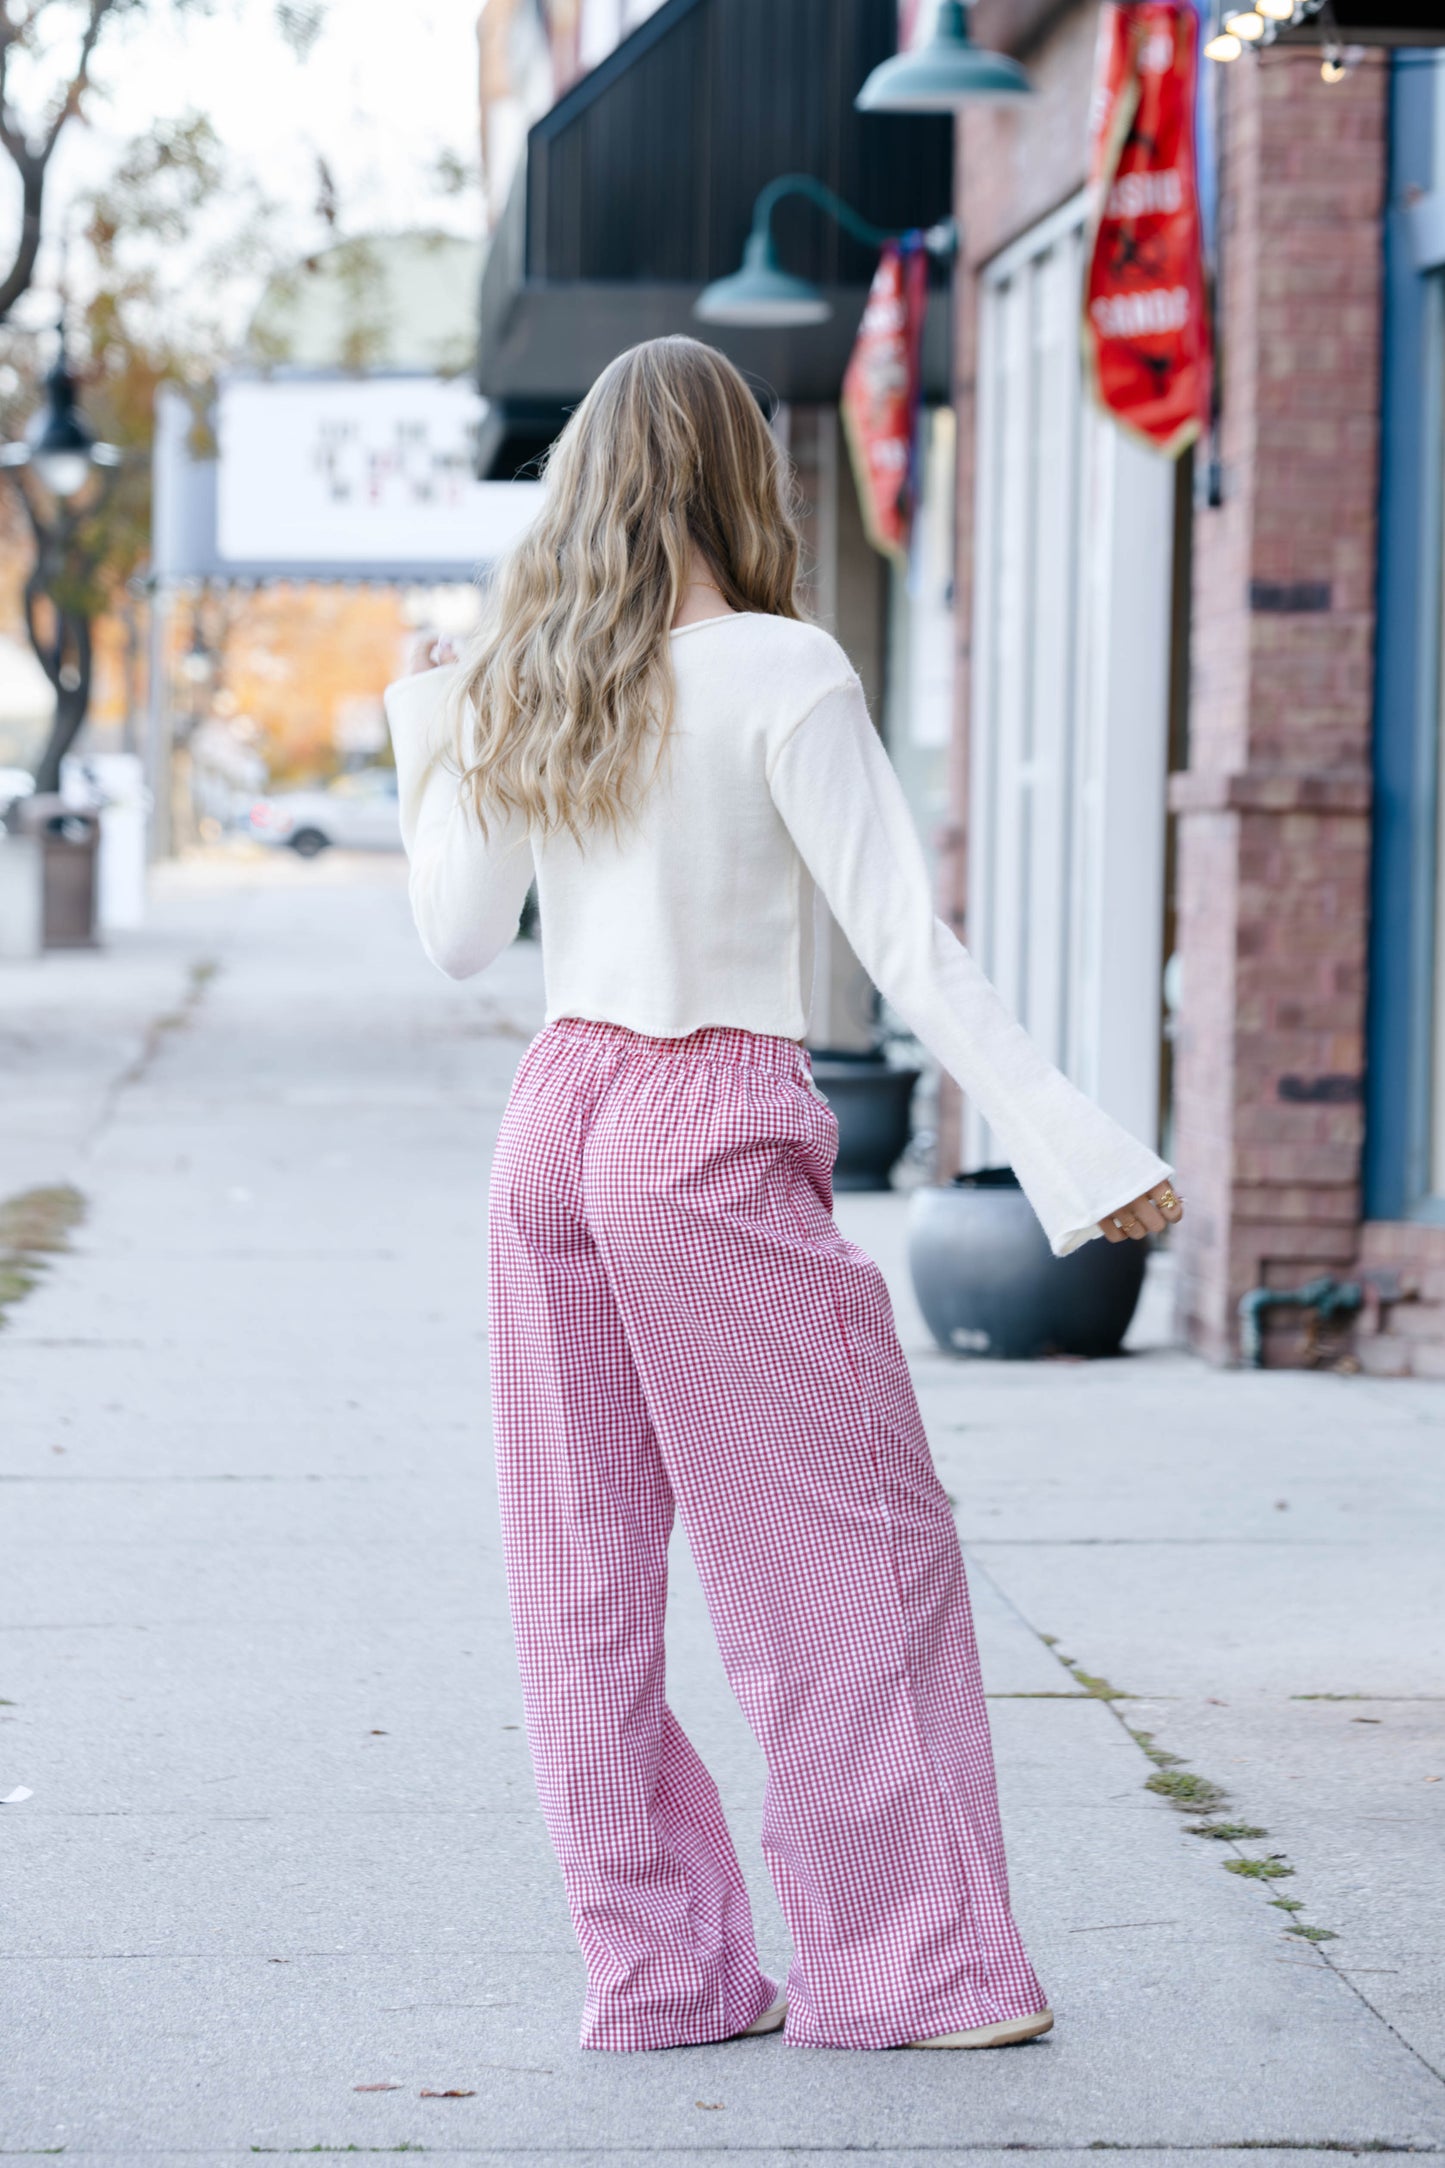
1069,710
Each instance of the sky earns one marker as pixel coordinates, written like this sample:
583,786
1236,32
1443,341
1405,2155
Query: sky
384,90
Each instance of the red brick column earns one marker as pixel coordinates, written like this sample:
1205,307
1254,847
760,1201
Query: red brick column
1273,811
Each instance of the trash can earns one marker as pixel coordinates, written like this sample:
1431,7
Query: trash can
69,843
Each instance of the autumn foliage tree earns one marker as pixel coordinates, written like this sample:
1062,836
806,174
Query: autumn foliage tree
170,185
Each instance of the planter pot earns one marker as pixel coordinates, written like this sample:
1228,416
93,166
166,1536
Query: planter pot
988,1283
871,1102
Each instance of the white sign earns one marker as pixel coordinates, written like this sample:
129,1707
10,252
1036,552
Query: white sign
376,470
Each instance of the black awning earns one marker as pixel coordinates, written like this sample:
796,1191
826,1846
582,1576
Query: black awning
1373,22
638,188
1015,26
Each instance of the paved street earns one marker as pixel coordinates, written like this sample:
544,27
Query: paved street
280,1886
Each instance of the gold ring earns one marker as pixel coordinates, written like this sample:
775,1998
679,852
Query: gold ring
1167,1198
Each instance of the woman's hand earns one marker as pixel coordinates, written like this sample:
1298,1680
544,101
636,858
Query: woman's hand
1150,1214
427,652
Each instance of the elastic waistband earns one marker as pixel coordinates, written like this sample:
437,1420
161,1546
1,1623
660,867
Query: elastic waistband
714,1042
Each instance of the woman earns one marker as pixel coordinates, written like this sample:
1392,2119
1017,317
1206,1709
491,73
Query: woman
646,723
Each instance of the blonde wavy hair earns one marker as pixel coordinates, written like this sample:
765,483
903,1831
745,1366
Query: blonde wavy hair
565,698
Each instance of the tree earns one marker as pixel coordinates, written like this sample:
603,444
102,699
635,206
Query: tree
88,550
126,238
58,39
59,612
31,29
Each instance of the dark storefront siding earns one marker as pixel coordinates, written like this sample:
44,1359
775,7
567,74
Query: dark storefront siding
638,188
648,171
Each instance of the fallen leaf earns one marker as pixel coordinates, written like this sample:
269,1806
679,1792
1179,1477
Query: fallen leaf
452,2092
388,2088
379,1734
23,1791
707,2103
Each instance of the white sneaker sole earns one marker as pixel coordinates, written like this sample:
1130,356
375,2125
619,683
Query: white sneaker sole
770,2021
1002,2035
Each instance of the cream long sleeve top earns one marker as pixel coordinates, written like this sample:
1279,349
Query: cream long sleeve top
701,911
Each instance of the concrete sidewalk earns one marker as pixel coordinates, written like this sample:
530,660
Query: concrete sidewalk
280,1885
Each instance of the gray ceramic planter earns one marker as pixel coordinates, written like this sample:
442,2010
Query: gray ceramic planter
988,1283
871,1101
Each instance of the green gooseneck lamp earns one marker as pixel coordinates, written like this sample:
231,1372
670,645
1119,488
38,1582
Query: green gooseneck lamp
946,72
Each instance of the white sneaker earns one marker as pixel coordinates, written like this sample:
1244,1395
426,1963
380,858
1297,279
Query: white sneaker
770,2021
1002,2035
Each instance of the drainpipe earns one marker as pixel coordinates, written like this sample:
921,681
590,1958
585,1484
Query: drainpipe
1330,1298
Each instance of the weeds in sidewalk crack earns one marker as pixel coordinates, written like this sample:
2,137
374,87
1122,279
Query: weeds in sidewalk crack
1185,1788
1192,1793
1096,1688
34,1227
1145,1741
1099,1688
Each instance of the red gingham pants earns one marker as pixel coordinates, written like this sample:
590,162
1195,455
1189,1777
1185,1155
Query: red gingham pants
675,1319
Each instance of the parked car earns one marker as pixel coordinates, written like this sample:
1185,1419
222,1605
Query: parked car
357,812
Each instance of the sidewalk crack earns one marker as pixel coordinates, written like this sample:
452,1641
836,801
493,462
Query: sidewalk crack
1191,1793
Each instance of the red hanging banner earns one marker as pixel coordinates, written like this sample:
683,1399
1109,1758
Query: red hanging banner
1146,320
880,395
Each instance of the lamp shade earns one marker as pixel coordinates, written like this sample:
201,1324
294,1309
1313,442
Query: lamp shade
59,442
762,293
948,71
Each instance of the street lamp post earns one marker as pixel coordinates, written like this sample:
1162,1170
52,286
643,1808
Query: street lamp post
948,70
763,293
60,454
942,75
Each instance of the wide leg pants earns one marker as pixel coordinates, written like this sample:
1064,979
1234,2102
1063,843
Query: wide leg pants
676,1321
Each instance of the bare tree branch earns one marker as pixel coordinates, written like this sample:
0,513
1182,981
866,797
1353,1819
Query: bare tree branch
11,137
69,103
31,156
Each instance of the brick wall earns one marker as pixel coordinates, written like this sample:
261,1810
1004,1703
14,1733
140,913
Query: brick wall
1273,813
1401,1330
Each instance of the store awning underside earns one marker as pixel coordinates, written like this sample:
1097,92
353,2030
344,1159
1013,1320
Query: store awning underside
637,189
